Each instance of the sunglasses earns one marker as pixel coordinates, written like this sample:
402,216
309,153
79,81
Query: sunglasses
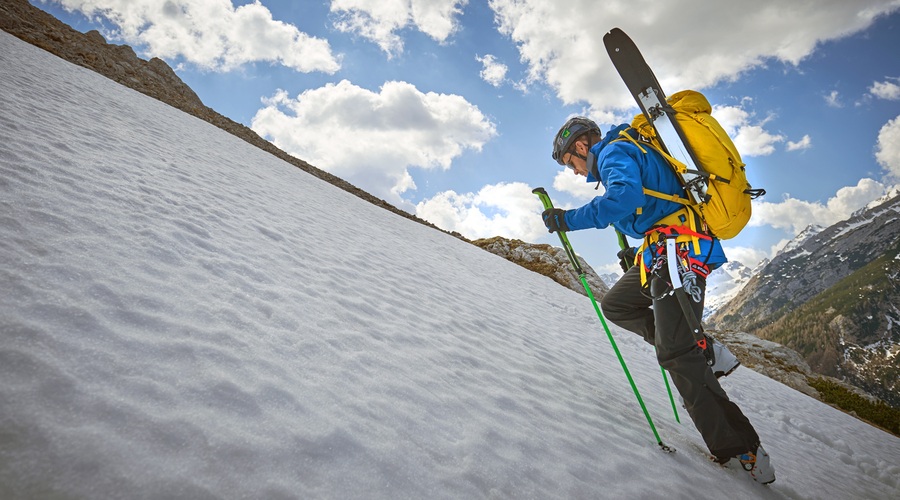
569,161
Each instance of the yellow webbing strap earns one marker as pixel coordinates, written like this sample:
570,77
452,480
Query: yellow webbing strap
639,260
669,197
630,139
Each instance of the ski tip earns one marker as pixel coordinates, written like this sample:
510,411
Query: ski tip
615,39
615,33
538,190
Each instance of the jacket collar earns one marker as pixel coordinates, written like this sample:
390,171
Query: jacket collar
613,134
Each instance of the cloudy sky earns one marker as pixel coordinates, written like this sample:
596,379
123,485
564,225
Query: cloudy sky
447,108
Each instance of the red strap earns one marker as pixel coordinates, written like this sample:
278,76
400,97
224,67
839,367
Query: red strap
678,231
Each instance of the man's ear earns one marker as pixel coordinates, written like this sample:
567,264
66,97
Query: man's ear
581,146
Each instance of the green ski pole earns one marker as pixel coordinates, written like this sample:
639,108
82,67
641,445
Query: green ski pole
623,244
545,199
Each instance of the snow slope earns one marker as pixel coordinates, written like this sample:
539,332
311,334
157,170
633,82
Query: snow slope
185,316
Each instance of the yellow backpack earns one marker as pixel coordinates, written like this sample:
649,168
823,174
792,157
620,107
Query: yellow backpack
727,208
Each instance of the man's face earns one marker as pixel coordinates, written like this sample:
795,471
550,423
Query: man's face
578,165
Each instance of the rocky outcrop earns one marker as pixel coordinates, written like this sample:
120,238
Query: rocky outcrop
547,260
772,360
117,62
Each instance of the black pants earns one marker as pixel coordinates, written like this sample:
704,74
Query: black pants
725,429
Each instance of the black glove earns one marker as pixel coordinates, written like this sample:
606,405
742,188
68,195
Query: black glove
555,219
626,258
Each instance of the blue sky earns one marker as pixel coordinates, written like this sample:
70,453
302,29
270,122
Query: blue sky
447,108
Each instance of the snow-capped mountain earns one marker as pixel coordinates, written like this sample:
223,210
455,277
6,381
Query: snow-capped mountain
801,238
723,284
892,193
610,279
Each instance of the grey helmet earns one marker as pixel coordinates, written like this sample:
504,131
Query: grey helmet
574,128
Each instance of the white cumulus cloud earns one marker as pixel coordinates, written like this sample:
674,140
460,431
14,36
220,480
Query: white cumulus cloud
213,34
562,42
381,20
886,90
804,143
833,99
794,215
750,138
887,150
506,209
576,186
493,71
750,257
372,138
754,140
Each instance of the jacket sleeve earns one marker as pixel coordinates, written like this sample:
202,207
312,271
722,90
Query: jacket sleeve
621,175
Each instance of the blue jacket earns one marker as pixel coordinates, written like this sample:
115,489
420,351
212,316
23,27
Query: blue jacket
624,171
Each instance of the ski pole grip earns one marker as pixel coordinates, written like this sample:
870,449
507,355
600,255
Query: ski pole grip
563,239
545,198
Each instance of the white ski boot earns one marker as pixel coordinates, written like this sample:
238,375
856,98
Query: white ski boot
756,463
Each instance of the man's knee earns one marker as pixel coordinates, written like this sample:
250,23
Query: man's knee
611,309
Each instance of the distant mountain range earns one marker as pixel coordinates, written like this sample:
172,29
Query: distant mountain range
832,294
723,284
